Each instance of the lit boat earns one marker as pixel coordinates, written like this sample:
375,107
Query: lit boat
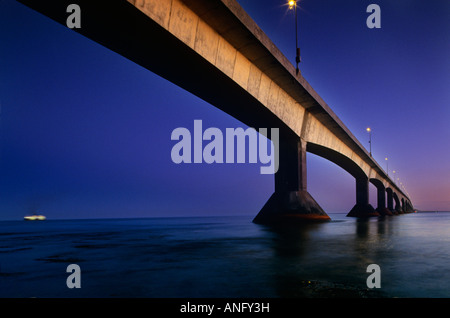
34,218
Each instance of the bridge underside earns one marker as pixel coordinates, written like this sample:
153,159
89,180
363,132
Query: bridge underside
212,49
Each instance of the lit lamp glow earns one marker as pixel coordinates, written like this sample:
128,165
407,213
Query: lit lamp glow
292,4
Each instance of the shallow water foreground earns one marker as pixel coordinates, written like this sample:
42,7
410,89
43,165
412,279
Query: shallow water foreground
226,257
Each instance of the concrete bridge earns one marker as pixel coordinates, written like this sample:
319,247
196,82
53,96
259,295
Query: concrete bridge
213,49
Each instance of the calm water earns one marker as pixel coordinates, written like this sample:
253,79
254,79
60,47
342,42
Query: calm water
226,257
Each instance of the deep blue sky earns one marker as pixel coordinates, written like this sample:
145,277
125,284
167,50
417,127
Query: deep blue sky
86,133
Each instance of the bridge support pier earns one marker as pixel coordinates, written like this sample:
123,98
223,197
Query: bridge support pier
381,202
390,201
362,207
291,201
397,208
409,207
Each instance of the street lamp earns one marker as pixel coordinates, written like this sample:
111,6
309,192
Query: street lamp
370,139
293,6
387,166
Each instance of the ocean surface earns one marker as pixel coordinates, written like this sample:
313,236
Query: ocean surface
227,257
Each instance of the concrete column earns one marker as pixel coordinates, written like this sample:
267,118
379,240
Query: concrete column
362,191
410,206
291,201
397,204
381,202
362,207
390,200
381,198
291,175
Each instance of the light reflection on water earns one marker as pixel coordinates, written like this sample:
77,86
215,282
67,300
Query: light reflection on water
227,257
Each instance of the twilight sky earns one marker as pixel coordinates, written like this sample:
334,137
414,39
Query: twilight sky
85,133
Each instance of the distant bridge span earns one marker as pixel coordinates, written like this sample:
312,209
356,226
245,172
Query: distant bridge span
213,49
